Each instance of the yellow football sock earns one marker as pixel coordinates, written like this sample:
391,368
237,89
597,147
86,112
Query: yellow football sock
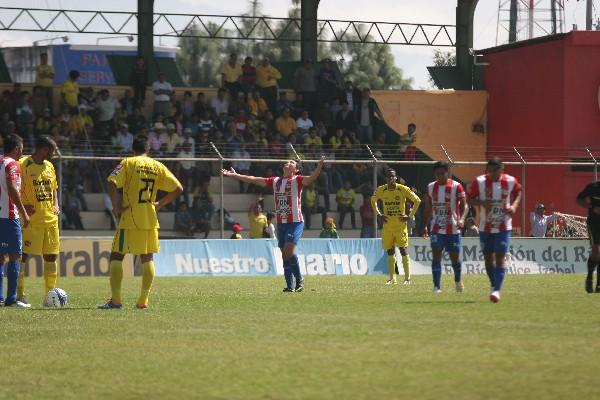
50,275
21,284
391,263
116,278
147,279
406,266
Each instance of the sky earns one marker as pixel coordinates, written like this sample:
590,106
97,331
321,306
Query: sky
413,60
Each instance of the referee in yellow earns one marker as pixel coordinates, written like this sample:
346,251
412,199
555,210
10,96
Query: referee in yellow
395,231
140,178
40,198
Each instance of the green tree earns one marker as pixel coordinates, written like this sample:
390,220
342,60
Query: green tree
444,58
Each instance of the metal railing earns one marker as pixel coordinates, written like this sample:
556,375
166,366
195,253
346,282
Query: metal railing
377,160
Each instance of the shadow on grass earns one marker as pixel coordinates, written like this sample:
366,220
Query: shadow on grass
440,302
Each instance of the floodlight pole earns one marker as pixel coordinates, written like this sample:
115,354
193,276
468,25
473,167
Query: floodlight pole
145,28
308,30
523,211
374,187
221,183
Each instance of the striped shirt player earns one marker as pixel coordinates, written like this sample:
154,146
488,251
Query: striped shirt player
497,196
11,208
287,193
445,213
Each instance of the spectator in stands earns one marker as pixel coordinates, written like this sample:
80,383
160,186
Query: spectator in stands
304,123
270,227
283,102
314,138
367,229
44,123
310,206
276,146
408,142
106,109
127,104
345,118
337,140
325,116
205,196
231,74
187,106
248,79
539,222
305,83
345,201
237,229
138,79
38,101
87,99
200,105
155,137
266,79
70,91
285,124
124,139
242,167
365,113
163,93
327,84
351,96
186,171
188,139
257,220
171,140
329,230
44,78
198,212
257,106
205,125
72,207
322,186
23,112
471,229
184,222
220,102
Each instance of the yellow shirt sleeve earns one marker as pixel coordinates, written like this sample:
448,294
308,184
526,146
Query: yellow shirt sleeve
167,181
376,196
119,174
410,195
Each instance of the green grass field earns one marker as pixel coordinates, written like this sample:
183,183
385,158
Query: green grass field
343,338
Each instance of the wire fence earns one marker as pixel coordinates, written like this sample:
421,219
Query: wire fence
363,165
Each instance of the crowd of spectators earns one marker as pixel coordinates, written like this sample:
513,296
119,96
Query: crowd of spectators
247,118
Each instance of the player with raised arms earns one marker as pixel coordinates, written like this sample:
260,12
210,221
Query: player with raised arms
140,178
497,196
287,192
395,229
590,198
39,191
445,213
12,215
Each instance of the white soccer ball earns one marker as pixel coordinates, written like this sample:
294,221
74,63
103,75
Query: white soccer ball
56,298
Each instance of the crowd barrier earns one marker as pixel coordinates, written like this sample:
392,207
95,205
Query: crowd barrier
89,257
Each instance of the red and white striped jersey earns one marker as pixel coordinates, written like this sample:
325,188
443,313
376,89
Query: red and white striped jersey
287,193
11,172
501,193
444,204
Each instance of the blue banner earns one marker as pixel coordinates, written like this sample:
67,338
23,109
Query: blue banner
263,257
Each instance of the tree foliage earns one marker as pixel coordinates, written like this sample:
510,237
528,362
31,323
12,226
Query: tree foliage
200,60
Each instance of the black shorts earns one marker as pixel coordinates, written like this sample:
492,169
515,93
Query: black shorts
593,228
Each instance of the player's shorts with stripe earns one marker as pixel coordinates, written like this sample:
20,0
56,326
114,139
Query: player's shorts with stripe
10,236
290,232
593,228
494,242
394,234
136,241
41,240
449,242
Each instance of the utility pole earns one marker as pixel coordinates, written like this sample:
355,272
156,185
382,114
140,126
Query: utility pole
512,27
588,15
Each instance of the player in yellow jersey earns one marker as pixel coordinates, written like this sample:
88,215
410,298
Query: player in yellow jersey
395,231
40,198
140,178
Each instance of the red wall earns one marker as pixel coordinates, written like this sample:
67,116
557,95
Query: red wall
544,101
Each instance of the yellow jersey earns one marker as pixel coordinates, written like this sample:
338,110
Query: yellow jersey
46,70
258,223
267,76
71,90
38,184
232,74
141,177
394,201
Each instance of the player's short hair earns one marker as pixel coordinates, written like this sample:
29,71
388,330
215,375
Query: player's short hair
45,142
74,74
270,215
140,144
495,162
441,164
388,170
11,142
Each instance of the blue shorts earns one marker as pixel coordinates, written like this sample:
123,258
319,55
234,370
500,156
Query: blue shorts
289,233
10,236
494,242
449,242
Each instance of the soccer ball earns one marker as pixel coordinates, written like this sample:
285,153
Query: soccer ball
56,298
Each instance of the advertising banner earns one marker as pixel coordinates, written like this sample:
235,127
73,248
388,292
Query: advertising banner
358,257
